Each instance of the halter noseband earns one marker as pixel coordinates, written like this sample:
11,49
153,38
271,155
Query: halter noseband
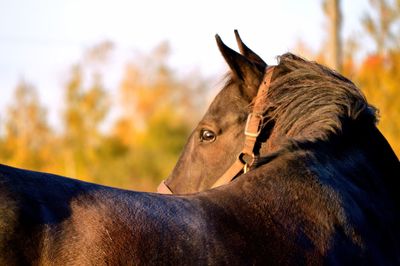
246,157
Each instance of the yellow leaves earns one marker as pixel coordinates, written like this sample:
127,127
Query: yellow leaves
150,124
84,108
123,131
26,129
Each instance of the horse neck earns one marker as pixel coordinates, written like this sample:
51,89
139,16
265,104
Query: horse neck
356,135
381,158
359,145
367,140
272,144
360,154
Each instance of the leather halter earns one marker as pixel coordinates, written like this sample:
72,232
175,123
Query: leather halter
254,124
253,128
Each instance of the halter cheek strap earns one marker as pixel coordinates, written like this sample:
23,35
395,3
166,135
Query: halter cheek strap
253,128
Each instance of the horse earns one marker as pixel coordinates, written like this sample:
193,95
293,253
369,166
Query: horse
307,179
313,175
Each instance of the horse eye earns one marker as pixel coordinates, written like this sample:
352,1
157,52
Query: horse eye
207,135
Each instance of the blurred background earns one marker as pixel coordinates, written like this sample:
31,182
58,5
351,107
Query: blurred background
109,91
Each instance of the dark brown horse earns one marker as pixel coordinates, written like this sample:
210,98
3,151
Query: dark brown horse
321,189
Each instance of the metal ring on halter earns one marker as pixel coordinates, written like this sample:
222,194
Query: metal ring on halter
247,160
246,168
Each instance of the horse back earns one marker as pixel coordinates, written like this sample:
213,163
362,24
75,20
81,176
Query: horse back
49,219
38,212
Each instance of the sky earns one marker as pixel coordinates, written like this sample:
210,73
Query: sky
41,39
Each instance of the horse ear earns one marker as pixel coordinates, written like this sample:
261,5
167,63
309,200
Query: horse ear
242,69
248,53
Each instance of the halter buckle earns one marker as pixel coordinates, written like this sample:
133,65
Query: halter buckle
259,118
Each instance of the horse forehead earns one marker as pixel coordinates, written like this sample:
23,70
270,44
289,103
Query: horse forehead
222,117
227,100
227,107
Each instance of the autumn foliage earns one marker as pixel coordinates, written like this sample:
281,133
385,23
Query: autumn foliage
135,150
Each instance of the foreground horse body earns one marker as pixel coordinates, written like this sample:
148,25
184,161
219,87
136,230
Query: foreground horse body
52,220
322,191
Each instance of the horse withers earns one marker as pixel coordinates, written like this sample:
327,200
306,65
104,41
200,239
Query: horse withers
316,185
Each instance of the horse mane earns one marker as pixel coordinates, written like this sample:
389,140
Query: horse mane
309,100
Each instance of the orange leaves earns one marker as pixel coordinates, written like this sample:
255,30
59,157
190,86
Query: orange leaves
372,62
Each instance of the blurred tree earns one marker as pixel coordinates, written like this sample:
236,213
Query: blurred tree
333,12
27,140
99,54
381,24
158,112
351,47
86,107
85,110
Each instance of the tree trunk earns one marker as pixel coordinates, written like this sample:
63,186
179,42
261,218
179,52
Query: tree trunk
333,12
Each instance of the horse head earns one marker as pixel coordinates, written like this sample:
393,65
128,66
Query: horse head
218,138
304,101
